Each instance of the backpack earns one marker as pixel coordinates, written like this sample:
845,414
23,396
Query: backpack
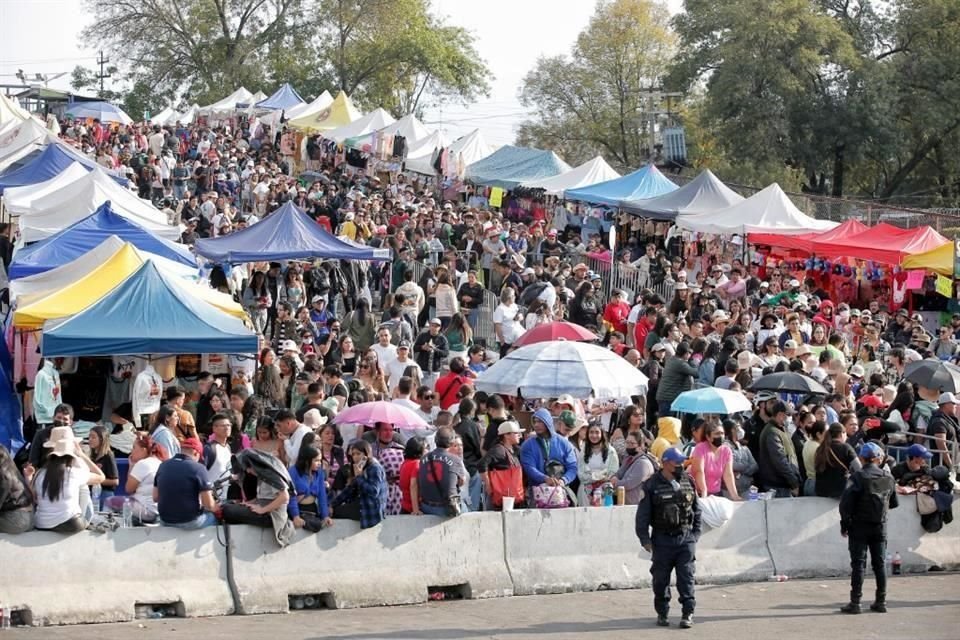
395,327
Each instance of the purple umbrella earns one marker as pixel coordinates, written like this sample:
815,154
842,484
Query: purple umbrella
370,413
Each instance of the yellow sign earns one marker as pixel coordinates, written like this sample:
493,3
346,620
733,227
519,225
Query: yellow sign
496,197
944,286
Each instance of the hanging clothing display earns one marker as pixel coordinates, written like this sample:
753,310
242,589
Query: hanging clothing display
147,391
46,393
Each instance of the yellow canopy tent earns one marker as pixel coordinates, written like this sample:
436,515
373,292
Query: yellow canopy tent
339,113
940,259
33,310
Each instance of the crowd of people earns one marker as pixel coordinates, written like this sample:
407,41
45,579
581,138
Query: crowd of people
263,446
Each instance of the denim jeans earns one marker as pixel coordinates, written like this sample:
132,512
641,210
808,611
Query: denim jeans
476,491
433,510
205,519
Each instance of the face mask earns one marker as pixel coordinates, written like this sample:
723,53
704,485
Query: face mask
741,434
717,441
790,426
631,451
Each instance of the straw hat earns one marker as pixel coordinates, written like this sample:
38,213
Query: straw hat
62,442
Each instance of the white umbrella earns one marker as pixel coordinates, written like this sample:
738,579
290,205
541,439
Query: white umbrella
550,369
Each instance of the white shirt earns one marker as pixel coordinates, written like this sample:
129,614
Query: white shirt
549,296
292,444
49,514
155,142
147,389
409,404
394,370
385,355
144,472
431,417
221,465
505,316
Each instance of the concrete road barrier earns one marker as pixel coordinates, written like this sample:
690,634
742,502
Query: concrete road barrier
805,542
51,578
397,562
87,577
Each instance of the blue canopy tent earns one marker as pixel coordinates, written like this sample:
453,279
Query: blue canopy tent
147,314
509,167
11,423
645,182
82,236
286,234
286,97
51,162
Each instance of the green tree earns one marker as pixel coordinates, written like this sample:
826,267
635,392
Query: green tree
592,101
778,77
396,55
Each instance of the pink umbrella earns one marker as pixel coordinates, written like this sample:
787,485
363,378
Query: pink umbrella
370,413
558,330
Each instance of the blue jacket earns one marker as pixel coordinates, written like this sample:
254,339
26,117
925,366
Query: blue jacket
536,452
317,488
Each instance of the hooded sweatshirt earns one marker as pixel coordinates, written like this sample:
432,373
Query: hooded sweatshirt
668,434
536,452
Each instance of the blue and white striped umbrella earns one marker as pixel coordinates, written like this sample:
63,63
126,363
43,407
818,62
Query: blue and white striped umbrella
711,400
550,369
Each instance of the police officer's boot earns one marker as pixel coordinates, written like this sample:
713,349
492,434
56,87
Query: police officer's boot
879,603
852,607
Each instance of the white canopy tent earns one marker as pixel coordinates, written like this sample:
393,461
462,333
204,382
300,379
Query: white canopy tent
228,104
465,151
163,117
187,117
421,154
59,277
57,210
18,200
19,138
767,211
589,173
704,194
373,121
314,107
10,109
408,126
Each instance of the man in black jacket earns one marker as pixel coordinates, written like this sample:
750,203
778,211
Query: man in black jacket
678,376
779,470
870,493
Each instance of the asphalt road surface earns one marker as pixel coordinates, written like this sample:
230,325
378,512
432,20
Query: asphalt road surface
923,607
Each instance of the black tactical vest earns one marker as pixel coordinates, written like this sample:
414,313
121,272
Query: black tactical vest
673,507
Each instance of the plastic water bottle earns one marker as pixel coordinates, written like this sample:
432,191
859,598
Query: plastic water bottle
127,515
597,498
95,492
752,493
888,562
778,578
897,563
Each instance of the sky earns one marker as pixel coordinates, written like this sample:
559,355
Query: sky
42,36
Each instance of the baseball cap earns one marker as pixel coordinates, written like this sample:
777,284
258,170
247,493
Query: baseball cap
658,347
857,371
790,344
918,451
289,345
529,272
567,399
794,283
673,455
435,321
508,427
765,395
870,451
316,299
404,344
193,444
946,398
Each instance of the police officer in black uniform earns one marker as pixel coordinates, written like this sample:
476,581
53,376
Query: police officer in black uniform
870,493
671,509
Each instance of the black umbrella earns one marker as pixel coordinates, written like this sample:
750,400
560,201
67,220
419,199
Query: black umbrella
934,374
789,382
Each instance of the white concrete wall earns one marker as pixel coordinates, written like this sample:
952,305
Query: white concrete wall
91,577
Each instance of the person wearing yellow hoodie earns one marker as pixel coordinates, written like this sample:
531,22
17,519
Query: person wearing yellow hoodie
668,435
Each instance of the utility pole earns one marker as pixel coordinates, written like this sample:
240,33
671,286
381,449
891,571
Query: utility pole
102,61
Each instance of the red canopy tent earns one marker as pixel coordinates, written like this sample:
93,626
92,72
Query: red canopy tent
883,243
804,243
